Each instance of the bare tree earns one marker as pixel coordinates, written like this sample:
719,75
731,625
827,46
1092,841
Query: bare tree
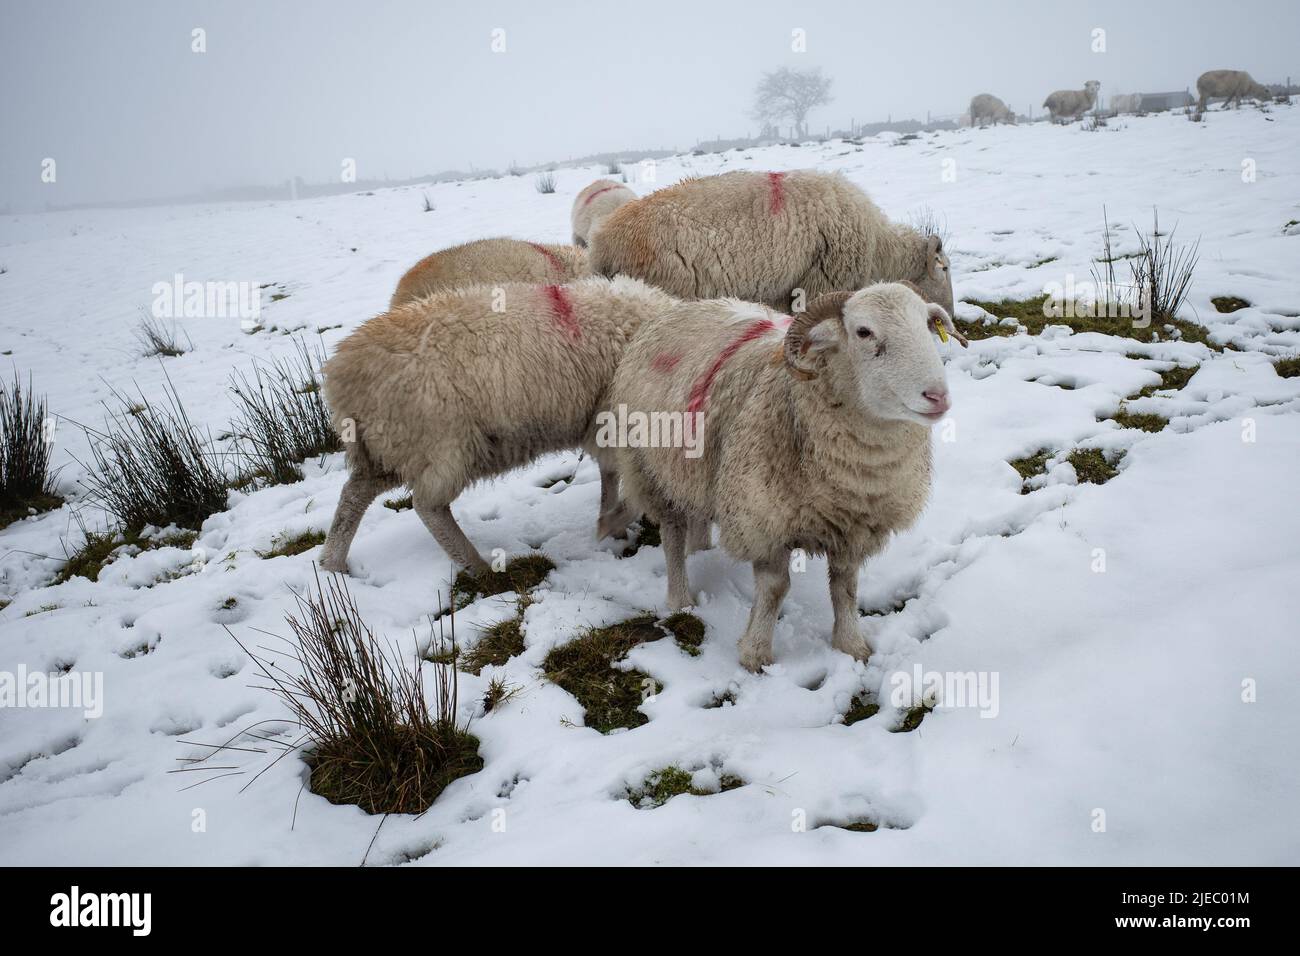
792,94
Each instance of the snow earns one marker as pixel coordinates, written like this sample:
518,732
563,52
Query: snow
1119,691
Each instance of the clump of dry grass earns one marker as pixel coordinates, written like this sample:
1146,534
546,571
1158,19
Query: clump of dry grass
371,737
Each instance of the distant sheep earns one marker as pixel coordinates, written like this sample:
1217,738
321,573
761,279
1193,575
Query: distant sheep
987,108
761,236
466,384
490,261
1232,85
1126,103
593,204
1066,105
816,437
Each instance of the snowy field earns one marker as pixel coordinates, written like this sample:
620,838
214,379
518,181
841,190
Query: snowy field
1119,691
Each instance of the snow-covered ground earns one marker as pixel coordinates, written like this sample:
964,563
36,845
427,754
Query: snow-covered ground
1144,713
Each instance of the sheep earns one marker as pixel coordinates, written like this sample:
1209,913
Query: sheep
593,204
469,383
821,445
1126,103
492,261
987,108
1230,84
762,236
1067,105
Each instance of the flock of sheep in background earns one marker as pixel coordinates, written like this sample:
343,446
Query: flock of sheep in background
1065,105
728,301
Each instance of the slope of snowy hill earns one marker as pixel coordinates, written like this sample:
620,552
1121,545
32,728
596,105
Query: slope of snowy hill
1136,639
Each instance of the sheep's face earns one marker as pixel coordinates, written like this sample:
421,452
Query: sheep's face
1092,86
882,354
935,283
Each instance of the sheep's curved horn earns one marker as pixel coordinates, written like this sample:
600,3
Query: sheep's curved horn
827,306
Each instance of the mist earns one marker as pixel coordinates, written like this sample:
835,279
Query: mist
117,95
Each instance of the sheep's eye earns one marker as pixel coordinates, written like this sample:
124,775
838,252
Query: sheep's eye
864,332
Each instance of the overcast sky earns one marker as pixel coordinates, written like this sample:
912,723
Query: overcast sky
113,92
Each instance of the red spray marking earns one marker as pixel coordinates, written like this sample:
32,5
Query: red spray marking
562,311
777,200
700,390
665,361
603,189
551,257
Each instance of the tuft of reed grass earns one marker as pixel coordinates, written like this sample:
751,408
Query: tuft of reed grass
545,183
155,338
152,466
373,739
282,419
26,482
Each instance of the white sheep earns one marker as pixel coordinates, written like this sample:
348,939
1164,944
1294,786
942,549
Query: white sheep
987,108
1066,105
593,204
1232,85
814,437
762,236
490,261
469,383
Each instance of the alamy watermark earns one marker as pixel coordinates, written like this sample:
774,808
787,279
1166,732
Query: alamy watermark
82,690
917,688
182,299
622,428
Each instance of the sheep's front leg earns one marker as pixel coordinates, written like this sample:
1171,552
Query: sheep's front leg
699,535
846,635
672,532
771,582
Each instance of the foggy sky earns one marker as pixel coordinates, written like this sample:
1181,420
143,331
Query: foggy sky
114,94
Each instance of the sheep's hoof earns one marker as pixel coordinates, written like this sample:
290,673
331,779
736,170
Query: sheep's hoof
613,524
855,646
679,602
754,657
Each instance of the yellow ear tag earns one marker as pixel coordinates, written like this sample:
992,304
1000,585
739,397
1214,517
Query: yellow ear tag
943,333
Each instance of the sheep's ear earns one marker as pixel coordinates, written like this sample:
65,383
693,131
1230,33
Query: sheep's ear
941,324
933,254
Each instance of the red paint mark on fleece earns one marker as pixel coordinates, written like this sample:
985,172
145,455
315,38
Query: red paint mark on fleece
562,311
603,189
700,390
776,202
665,361
551,257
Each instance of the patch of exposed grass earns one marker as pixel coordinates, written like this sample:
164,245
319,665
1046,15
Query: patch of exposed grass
1031,466
912,719
1091,466
862,707
498,644
41,610
284,545
1288,367
1030,314
26,507
101,548
584,668
522,574
856,826
1146,422
1170,381
1229,303
687,631
664,784
402,503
